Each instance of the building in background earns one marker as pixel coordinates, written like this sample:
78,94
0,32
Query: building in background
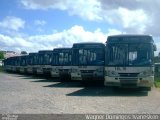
8,54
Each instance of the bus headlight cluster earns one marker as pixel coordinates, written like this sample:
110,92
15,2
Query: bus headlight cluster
111,73
99,70
146,73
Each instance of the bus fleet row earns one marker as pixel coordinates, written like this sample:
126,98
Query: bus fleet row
124,61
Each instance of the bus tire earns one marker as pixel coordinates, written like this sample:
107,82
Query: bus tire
146,88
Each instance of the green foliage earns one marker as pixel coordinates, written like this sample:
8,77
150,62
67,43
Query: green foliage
1,55
156,59
23,52
157,82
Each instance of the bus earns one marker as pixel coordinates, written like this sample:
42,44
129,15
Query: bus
23,64
61,63
44,62
6,65
14,64
129,61
17,63
88,61
32,63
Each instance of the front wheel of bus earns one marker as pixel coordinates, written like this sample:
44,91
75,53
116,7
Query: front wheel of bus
146,88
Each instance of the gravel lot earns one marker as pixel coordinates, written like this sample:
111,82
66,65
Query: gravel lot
29,94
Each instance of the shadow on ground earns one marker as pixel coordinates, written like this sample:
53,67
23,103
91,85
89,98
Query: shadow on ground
108,91
98,89
91,88
71,83
67,84
37,78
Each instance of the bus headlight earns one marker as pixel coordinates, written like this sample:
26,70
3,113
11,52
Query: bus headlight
99,70
146,73
111,73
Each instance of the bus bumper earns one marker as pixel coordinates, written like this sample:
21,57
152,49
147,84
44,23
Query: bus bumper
89,77
76,76
65,74
30,70
39,71
55,74
129,83
47,71
22,70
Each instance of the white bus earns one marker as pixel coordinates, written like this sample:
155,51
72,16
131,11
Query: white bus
88,61
7,64
44,62
129,61
61,63
23,64
32,63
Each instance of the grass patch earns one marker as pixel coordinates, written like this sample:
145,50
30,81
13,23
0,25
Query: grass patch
157,82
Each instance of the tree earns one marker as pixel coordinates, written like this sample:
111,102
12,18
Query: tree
23,52
1,55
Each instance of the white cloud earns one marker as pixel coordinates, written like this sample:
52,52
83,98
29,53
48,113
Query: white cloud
14,41
86,9
136,20
58,39
40,22
12,23
133,16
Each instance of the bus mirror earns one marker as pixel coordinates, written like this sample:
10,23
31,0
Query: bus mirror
154,47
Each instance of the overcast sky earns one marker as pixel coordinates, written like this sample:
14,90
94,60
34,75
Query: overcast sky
33,25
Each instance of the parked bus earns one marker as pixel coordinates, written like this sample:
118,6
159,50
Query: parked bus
88,61
17,63
44,62
23,64
61,63
32,63
13,64
129,61
6,65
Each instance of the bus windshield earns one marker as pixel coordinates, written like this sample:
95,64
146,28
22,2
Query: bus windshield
62,58
90,56
125,54
44,59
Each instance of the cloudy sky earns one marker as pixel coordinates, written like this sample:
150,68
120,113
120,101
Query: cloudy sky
32,25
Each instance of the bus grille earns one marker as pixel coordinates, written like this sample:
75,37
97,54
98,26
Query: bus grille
128,83
87,71
128,79
63,70
128,74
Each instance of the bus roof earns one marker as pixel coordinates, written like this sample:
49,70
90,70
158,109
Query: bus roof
88,45
45,51
130,38
33,53
62,50
13,57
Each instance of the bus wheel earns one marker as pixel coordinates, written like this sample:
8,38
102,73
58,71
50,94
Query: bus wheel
146,88
85,82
